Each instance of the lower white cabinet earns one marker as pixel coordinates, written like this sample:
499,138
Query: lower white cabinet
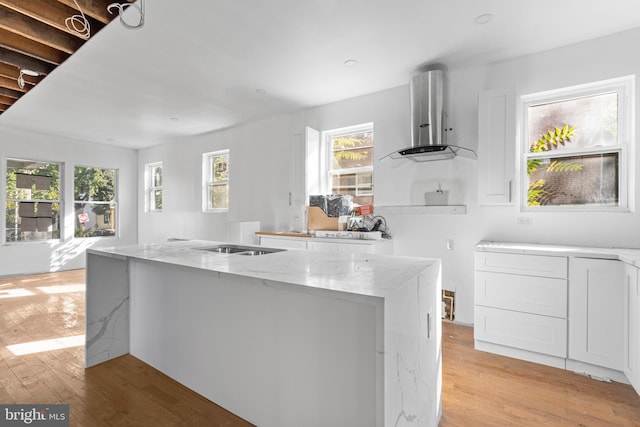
521,306
568,307
596,310
540,334
326,245
632,326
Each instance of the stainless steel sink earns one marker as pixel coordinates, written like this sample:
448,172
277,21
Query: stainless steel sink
239,249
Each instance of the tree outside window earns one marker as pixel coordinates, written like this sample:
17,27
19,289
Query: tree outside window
33,202
216,189
575,152
351,162
95,202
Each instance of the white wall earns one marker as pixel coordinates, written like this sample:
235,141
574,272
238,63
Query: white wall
37,257
260,161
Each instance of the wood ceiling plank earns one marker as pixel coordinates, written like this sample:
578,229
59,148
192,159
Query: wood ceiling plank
35,30
96,9
12,41
5,100
10,93
13,72
13,85
51,13
23,61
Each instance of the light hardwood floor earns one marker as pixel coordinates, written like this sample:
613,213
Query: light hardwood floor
483,389
480,389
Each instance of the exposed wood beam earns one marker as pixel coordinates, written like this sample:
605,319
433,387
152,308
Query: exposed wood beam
13,85
5,100
3,108
31,48
50,12
22,61
11,72
10,93
96,9
37,31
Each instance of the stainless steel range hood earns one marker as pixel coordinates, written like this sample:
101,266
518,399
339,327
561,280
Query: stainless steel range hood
429,122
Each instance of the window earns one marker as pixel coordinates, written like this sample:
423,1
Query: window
575,149
95,202
216,181
33,204
153,190
350,165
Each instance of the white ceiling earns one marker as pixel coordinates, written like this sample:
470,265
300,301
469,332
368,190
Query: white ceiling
197,65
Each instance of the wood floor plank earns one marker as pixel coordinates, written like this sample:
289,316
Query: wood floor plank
484,389
479,389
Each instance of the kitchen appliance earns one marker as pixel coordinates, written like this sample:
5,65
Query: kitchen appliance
429,128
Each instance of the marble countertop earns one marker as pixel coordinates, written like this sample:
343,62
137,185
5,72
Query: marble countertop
627,255
362,274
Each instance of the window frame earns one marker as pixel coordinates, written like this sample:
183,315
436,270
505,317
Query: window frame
327,151
625,89
150,189
207,181
5,199
114,202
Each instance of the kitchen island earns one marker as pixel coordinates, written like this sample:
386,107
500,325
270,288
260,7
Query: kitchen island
289,338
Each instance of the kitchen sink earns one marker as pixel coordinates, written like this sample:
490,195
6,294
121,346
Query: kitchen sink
240,250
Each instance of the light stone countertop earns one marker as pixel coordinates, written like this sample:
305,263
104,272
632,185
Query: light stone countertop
363,274
627,255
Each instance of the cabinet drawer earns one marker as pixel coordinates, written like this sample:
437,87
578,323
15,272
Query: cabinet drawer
541,334
531,265
530,294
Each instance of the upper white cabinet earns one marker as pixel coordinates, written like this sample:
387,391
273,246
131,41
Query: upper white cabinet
596,307
632,326
496,147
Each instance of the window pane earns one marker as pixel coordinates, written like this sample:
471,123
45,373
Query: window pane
26,221
352,151
94,184
157,200
220,168
95,219
157,176
594,120
587,180
219,196
358,185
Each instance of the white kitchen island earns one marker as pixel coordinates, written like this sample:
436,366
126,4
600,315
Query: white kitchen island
291,338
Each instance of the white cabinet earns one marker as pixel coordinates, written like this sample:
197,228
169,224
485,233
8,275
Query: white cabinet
632,326
521,306
341,246
274,242
596,307
496,147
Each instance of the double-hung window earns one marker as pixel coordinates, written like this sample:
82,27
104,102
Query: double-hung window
215,170
153,187
576,147
350,162
33,200
95,201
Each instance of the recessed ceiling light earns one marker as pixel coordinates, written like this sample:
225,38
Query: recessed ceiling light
261,91
174,119
351,62
483,19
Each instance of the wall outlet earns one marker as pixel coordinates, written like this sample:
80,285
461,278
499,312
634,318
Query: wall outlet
525,220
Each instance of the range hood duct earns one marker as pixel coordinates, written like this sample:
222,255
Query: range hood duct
429,122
